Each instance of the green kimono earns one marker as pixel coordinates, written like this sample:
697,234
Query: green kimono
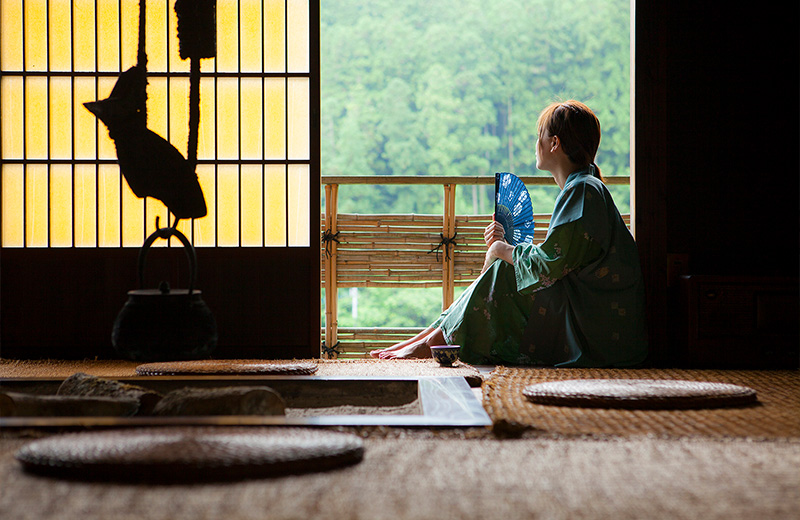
576,300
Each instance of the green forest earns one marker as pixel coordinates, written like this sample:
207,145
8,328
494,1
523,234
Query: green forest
448,87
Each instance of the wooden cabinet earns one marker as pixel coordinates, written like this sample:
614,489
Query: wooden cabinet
739,322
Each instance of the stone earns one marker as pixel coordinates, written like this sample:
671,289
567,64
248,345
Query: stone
233,400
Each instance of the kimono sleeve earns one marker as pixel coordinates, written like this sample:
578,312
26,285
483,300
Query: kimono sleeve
568,247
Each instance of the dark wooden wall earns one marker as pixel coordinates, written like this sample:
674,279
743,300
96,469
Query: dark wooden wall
717,147
62,303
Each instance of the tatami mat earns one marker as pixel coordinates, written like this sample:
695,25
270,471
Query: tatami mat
413,478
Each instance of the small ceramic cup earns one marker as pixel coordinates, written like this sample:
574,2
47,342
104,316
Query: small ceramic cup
445,355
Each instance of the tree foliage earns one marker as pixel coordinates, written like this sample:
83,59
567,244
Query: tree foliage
454,87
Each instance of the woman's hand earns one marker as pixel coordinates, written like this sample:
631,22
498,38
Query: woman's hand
494,232
501,250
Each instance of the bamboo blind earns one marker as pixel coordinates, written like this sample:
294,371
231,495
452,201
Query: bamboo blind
401,251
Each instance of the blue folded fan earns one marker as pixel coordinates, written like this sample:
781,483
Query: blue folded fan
513,208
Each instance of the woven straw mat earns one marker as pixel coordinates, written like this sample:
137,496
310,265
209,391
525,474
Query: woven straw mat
189,454
776,414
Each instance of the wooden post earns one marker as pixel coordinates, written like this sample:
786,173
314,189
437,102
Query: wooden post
331,289
448,256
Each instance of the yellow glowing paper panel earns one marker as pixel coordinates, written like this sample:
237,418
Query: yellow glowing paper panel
83,37
206,138
13,145
228,205
250,39
274,36
36,205
36,117
252,223
228,118
252,124
240,27
35,48
85,207
60,123
108,52
156,29
60,31
13,197
129,32
11,35
60,205
297,27
275,205
298,108
227,59
275,118
109,206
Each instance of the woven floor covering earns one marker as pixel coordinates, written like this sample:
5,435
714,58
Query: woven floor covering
424,478
325,368
776,415
470,474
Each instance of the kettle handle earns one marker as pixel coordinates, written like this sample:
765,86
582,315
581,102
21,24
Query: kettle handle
165,233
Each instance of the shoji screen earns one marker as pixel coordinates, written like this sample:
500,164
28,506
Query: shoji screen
60,184
70,227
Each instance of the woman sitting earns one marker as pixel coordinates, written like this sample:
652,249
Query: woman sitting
575,300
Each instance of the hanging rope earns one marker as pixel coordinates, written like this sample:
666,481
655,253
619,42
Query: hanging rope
446,241
197,36
141,57
328,238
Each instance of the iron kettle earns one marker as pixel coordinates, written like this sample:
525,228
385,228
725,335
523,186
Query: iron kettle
165,324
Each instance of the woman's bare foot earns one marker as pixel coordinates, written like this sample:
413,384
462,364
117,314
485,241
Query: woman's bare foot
421,348
397,346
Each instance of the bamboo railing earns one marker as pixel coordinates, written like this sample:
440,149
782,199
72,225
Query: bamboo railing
401,251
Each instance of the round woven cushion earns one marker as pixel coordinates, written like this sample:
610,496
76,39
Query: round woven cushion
638,393
182,454
225,366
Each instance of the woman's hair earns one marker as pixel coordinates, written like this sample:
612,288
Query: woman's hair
577,128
